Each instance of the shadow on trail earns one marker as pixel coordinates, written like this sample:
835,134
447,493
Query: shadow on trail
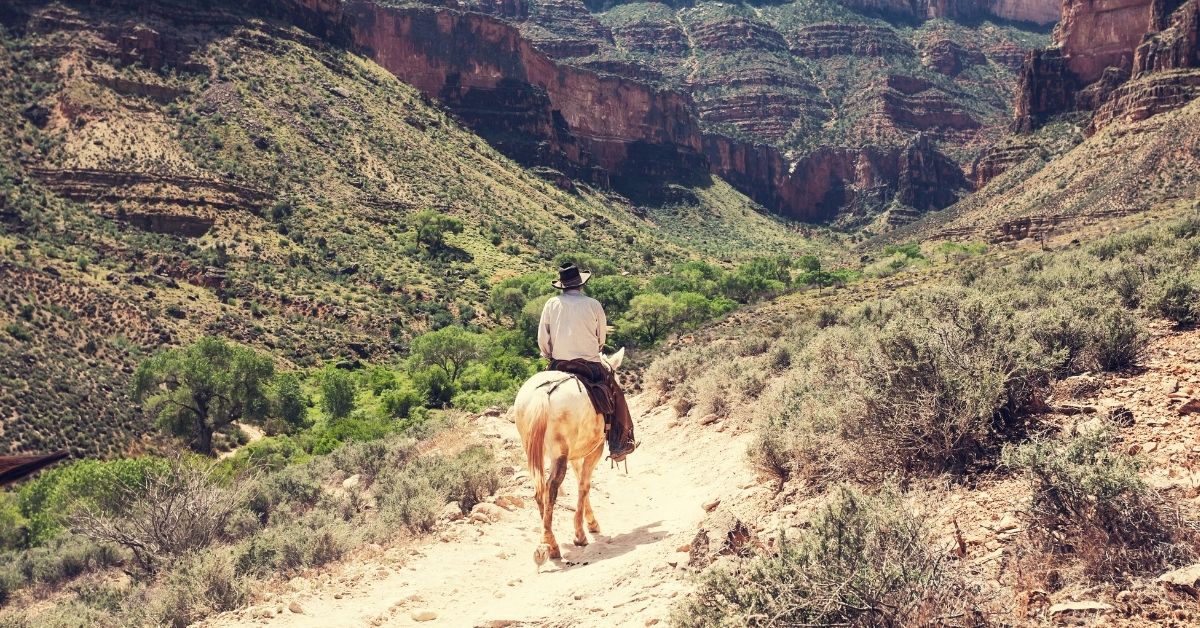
605,547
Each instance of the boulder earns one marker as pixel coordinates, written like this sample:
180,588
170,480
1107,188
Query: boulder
451,512
1085,606
1186,580
486,513
423,614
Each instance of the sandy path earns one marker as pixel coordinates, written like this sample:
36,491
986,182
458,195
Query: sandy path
482,574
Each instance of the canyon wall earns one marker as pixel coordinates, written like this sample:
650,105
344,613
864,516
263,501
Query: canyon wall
599,128
1041,12
1113,59
611,130
839,180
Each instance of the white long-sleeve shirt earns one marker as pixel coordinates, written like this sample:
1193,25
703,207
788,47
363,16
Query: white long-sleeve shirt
573,327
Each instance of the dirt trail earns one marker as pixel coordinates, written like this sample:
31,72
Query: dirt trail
483,574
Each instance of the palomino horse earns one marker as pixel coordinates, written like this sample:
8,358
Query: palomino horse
557,421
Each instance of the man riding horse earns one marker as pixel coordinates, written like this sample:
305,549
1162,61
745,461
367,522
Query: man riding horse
571,334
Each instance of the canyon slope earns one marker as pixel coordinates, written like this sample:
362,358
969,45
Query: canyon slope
170,170
1107,123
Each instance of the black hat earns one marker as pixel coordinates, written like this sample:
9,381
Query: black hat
570,277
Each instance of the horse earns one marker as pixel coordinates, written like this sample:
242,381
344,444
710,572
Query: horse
556,420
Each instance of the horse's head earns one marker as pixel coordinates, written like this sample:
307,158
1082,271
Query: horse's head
613,362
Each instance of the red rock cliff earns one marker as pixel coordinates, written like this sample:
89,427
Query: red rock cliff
1044,12
602,128
1117,59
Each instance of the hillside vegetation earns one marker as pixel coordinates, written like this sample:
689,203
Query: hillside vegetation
238,178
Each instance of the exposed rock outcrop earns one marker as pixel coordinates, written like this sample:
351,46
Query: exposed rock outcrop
600,128
1043,12
174,204
830,181
823,41
1117,59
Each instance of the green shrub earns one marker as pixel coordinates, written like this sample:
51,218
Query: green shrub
1177,297
864,561
416,495
1117,339
171,514
399,403
18,331
288,401
60,560
1090,502
331,435
47,501
202,586
338,388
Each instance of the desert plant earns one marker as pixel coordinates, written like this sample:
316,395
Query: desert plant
450,349
171,514
1089,501
338,388
864,561
203,585
1177,297
288,401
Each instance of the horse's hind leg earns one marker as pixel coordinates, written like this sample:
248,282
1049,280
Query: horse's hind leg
558,472
581,506
585,489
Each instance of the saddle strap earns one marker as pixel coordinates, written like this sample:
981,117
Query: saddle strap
554,384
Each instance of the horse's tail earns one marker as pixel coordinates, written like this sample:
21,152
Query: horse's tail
538,412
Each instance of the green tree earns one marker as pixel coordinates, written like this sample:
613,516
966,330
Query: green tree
450,349
649,318
199,389
531,316
337,392
507,301
689,308
432,227
808,263
614,292
288,401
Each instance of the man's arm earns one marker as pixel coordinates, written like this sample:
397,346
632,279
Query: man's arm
544,344
601,326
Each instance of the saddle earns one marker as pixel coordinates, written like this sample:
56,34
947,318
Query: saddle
593,377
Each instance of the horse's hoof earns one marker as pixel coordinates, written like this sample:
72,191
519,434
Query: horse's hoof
594,528
541,554
581,541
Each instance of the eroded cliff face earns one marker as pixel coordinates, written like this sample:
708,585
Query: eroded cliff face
839,183
1042,12
638,138
600,128
1113,59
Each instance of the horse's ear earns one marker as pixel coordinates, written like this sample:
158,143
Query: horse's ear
616,359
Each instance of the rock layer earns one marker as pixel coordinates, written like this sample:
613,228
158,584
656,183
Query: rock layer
1118,59
831,180
600,128
1041,12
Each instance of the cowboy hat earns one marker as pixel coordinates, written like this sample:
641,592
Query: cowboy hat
569,276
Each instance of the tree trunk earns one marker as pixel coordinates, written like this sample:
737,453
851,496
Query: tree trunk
204,432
